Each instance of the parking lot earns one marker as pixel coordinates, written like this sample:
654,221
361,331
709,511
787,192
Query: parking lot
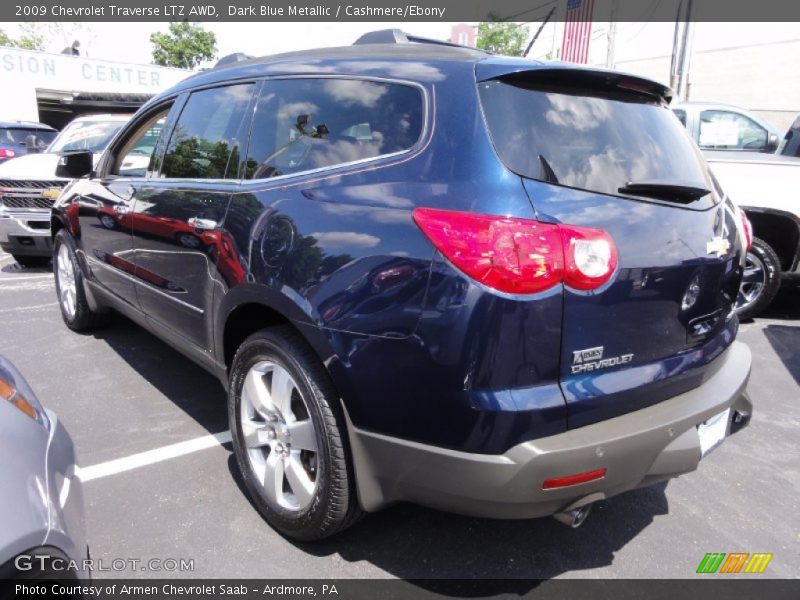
130,402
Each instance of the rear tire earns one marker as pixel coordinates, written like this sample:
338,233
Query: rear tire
75,309
31,262
291,446
761,281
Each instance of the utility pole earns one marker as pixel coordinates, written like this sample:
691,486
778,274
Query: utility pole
682,55
612,35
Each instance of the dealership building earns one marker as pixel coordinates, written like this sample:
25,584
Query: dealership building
55,88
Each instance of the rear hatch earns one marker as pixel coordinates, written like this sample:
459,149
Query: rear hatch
602,150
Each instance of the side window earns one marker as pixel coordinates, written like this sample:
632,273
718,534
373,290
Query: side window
681,114
204,140
725,130
135,157
305,124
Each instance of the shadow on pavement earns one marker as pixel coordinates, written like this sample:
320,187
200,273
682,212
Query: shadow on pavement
785,340
192,389
786,304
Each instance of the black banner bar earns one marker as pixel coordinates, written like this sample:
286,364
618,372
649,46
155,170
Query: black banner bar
383,10
712,586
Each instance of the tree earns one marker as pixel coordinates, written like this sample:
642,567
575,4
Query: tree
185,46
31,38
502,37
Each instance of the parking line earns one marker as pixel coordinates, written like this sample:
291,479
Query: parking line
12,279
150,457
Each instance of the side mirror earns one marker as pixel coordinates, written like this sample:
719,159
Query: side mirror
772,143
73,165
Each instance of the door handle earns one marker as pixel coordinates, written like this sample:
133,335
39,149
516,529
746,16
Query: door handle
199,223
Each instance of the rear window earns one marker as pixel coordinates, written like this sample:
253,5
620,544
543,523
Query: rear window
13,136
598,140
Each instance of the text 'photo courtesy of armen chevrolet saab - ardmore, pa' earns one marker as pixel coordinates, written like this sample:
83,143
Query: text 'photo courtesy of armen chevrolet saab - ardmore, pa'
352,300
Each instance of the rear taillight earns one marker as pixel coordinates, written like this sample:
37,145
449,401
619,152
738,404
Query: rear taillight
6,153
520,256
747,227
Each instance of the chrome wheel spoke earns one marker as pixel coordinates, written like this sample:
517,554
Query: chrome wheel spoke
273,478
281,391
303,436
66,281
255,393
255,434
299,481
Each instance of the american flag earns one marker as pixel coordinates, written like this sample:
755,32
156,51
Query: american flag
577,31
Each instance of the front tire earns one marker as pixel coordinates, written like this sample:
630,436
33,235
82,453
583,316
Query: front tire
761,280
75,309
289,436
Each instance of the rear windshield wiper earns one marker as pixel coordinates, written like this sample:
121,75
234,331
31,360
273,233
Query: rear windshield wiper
547,171
671,191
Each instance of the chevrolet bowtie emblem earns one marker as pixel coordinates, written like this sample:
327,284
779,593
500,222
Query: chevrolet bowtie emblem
718,246
51,193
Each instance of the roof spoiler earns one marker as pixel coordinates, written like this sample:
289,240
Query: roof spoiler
569,73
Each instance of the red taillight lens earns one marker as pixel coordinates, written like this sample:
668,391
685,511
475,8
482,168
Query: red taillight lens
520,256
516,256
568,480
6,153
748,229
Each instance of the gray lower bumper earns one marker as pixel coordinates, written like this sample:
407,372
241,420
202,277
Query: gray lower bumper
636,449
25,233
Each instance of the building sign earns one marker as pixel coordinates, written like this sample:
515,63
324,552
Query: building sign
78,74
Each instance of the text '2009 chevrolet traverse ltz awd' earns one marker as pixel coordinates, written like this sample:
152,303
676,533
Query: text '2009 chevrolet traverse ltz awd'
424,273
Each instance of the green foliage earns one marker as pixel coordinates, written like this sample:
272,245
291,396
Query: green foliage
184,47
502,37
31,38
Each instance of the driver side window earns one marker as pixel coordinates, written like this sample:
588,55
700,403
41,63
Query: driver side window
135,157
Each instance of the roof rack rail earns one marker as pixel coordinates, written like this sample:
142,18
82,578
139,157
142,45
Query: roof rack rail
396,36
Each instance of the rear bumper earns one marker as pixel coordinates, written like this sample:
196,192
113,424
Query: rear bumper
639,448
25,233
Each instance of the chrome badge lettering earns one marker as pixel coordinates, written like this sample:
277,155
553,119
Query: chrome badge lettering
591,359
718,246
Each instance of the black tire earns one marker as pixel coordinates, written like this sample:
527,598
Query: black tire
83,318
334,504
750,304
31,262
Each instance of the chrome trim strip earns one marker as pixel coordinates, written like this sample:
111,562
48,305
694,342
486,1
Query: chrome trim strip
95,262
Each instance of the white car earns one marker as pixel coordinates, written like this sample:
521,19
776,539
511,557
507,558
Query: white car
29,187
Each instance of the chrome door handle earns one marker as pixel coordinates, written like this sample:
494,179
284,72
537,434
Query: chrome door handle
199,223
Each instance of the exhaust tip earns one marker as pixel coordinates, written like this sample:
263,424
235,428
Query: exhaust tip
574,518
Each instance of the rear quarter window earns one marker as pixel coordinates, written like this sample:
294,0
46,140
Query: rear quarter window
307,124
596,140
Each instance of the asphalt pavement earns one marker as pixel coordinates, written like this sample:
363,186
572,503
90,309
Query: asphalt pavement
158,486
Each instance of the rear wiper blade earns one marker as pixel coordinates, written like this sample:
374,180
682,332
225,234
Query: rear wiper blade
672,191
549,175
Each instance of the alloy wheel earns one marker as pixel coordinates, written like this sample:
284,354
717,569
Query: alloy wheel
66,281
279,436
753,281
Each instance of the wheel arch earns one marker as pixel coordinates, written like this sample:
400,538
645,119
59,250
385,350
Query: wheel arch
779,229
251,307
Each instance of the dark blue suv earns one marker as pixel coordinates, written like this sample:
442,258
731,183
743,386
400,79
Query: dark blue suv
423,273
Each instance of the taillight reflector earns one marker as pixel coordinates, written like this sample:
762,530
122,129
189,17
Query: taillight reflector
6,153
748,229
568,480
520,256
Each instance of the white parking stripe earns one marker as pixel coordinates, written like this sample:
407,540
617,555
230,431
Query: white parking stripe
13,279
33,307
134,461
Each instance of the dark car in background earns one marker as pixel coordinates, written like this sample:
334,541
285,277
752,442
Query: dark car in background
18,138
488,285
